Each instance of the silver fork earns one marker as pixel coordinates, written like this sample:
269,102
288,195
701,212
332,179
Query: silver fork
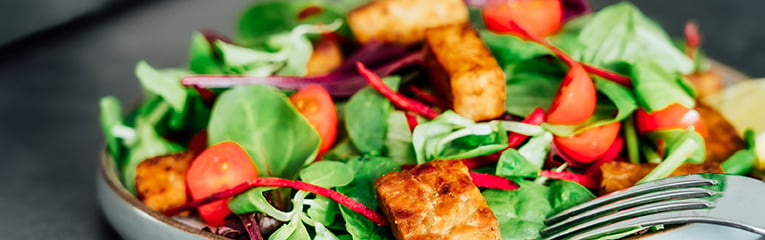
728,200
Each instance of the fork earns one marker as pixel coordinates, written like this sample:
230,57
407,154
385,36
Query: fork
727,200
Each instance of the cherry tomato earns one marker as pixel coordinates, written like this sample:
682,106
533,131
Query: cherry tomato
575,101
538,17
316,105
217,168
673,116
590,144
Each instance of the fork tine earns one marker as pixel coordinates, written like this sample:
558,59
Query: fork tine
681,193
675,217
653,208
663,184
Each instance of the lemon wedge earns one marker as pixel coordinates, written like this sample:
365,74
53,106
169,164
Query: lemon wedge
743,104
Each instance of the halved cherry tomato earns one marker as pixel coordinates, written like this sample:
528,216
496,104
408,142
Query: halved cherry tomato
538,17
316,105
575,101
217,168
673,116
589,145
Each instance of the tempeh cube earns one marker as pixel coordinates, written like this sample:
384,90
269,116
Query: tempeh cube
463,70
435,200
404,21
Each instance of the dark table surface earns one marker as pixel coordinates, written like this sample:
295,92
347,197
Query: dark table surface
50,86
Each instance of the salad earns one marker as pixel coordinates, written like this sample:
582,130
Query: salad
301,125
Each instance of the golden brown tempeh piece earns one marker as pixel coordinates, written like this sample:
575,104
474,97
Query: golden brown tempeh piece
326,57
463,70
722,139
435,200
161,181
619,175
404,21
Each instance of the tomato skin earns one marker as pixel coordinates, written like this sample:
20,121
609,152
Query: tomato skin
539,17
672,117
589,145
217,168
576,99
316,105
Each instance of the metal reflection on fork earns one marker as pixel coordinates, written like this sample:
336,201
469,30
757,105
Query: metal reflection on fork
728,200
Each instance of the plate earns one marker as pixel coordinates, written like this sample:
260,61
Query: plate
133,220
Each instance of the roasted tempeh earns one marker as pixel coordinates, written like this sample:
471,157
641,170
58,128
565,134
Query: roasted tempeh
404,21
161,181
435,200
463,71
619,175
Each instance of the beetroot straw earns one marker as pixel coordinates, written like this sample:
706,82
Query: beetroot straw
280,182
615,77
492,181
397,99
569,176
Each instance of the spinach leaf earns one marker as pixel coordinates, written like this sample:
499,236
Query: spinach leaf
743,160
365,117
165,83
526,161
342,151
398,139
327,174
566,194
656,89
621,33
275,17
509,49
520,212
362,190
263,121
531,84
201,58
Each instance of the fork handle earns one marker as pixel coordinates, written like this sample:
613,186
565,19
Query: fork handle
676,217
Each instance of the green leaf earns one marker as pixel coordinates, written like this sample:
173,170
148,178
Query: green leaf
566,194
621,33
656,89
323,210
521,212
327,174
165,83
263,121
531,84
253,200
673,137
509,49
362,190
526,161
398,139
111,117
451,136
343,150
275,17
148,144
201,59
743,160
365,117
